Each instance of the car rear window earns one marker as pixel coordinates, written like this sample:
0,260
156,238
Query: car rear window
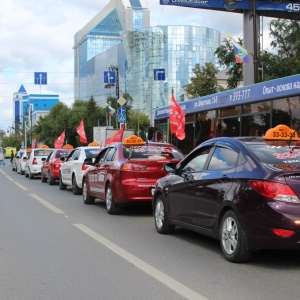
269,154
61,153
93,152
152,152
42,152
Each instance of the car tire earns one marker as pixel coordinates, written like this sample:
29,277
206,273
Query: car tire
51,180
22,172
62,186
161,217
30,175
75,188
233,239
87,199
26,174
111,207
43,178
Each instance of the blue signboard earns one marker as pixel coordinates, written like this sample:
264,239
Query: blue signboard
109,77
40,78
273,89
235,4
159,74
122,118
122,110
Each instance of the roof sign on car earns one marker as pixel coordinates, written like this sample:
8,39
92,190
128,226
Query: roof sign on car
281,132
133,140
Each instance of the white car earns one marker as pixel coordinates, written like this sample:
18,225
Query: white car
34,162
73,168
21,163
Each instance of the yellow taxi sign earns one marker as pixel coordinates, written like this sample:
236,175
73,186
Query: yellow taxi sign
281,132
133,140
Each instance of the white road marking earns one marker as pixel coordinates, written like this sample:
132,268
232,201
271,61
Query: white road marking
173,284
21,186
47,204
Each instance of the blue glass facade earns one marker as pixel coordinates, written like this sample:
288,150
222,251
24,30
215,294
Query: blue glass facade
137,49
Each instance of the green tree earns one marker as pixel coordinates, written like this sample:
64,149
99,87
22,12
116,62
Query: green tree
204,82
139,122
225,56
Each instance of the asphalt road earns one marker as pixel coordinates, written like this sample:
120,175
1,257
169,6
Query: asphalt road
53,246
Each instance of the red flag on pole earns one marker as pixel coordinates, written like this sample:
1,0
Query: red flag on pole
81,132
118,136
177,119
58,144
33,143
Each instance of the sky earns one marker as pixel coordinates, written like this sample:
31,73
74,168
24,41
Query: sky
38,36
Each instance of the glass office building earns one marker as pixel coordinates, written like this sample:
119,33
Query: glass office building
150,61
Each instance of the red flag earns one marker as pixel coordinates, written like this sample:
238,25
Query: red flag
177,119
58,144
118,136
33,143
81,132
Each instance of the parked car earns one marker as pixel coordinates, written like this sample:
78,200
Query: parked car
243,191
73,167
21,163
34,162
16,159
126,173
51,165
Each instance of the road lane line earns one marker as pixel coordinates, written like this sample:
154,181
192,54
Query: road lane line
153,272
47,204
21,186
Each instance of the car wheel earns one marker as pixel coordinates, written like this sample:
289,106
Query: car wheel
26,174
161,216
233,239
76,190
51,179
30,175
62,186
22,172
87,199
111,207
43,178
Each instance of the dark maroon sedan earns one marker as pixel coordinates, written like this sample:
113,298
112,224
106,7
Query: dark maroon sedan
243,191
123,174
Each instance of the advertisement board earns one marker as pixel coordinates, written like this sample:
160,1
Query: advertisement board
240,5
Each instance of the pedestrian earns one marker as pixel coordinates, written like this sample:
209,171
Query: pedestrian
2,162
12,155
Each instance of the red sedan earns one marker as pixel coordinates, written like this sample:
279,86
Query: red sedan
51,165
126,173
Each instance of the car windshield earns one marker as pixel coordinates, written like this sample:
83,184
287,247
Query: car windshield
270,154
151,151
42,152
92,153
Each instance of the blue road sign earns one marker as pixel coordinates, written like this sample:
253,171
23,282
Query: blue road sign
159,74
109,77
121,118
121,110
40,78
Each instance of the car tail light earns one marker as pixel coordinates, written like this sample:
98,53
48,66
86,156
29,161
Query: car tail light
56,165
34,162
84,167
133,167
275,191
283,232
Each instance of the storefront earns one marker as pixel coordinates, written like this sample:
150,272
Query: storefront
245,111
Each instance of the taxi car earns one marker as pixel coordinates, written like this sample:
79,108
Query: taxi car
34,162
21,163
73,167
243,191
16,159
126,172
51,165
